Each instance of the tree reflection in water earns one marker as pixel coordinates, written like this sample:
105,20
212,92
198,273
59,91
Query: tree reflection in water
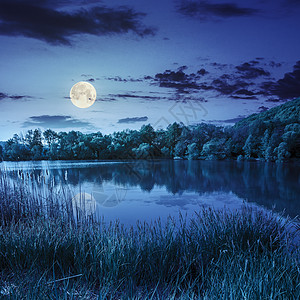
267,184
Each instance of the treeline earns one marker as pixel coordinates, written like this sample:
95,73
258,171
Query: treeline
257,137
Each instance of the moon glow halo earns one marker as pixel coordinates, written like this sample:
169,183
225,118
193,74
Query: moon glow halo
83,94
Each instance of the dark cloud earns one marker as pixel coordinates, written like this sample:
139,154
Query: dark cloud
254,62
202,72
219,65
135,96
133,120
182,68
168,75
13,97
183,82
266,88
120,79
178,79
41,21
227,87
273,100
3,96
248,71
56,121
241,84
148,77
205,10
243,81
244,92
106,99
244,97
289,86
273,64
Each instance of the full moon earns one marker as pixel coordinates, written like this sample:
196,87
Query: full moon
83,94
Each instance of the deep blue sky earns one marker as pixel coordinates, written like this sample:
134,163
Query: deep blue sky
150,61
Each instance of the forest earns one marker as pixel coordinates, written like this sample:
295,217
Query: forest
273,135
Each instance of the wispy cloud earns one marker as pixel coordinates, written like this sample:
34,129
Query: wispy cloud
89,77
133,120
41,21
146,97
14,97
206,10
120,79
56,121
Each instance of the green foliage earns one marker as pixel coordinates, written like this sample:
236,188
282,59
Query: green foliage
172,136
282,152
193,151
250,147
144,151
273,135
214,149
166,152
287,113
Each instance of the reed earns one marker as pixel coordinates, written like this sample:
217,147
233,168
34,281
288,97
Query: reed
48,252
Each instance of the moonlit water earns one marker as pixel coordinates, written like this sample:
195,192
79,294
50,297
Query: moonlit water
147,190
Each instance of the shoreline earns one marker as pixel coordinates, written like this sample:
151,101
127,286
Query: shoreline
293,160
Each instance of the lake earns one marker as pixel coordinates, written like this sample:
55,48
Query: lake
145,190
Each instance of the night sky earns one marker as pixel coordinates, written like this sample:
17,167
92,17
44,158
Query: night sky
150,61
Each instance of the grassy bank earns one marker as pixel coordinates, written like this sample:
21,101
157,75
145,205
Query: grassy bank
48,253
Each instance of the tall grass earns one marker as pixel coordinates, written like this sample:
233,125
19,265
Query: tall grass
48,253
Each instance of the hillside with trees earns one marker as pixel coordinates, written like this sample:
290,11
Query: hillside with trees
286,113
273,135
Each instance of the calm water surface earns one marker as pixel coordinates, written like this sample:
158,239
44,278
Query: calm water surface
146,190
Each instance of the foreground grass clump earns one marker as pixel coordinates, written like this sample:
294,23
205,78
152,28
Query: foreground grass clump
245,254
